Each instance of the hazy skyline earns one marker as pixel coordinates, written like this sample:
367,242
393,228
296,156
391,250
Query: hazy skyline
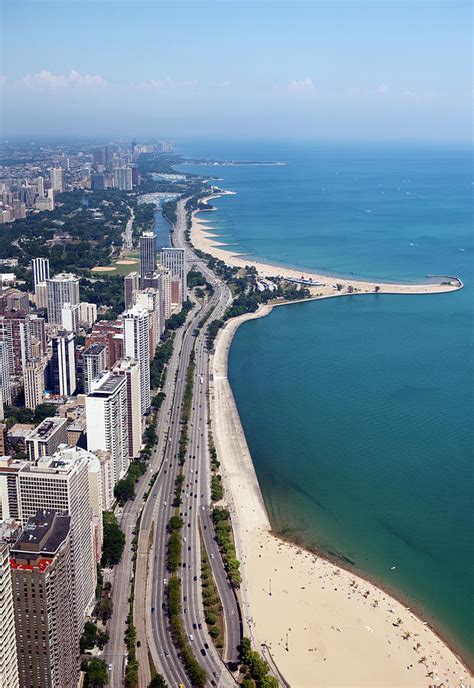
338,70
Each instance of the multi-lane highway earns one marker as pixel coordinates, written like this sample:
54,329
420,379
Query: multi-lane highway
153,633
194,509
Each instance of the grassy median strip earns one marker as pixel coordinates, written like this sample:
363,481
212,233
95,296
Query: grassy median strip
195,671
213,610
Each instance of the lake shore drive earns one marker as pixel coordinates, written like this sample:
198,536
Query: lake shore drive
319,623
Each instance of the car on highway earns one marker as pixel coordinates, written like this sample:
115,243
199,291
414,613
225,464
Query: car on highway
203,652
191,637
165,581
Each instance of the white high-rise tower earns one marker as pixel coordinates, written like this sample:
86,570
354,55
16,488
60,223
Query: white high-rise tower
137,346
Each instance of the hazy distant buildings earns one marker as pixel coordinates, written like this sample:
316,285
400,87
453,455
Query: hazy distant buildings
62,288
41,571
58,179
123,178
147,253
97,182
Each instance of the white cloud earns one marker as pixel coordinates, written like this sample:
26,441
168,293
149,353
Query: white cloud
301,85
3,79
161,84
382,89
46,79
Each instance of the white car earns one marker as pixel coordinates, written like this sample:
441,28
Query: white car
164,581
191,637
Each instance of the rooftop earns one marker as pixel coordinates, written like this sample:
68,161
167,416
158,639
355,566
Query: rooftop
46,428
43,534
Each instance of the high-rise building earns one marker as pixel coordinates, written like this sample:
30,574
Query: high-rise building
43,594
137,346
175,260
176,293
33,377
40,183
107,421
40,268
8,652
61,482
99,157
97,182
150,299
15,330
123,178
165,293
87,313
147,253
62,288
5,374
130,369
41,295
131,286
70,317
46,438
58,179
38,331
62,366
95,363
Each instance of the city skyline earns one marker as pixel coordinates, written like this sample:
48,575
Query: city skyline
342,70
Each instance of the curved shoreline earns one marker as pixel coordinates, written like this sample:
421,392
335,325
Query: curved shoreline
369,663
203,239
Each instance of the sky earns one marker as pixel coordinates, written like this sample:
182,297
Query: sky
338,70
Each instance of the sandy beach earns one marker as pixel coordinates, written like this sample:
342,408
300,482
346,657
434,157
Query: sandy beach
203,239
321,625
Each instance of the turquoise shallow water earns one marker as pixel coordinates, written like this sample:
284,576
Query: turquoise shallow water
358,411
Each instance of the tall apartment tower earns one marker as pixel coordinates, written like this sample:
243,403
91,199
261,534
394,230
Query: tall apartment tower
70,317
58,179
150,299
40,183
5,374
95,362
165,293
8,652
131,284
33,378
147,253
15,330
130,369
175,260
63,484
62,288
107,421
62,366
43,593
40,267
123,178
137,346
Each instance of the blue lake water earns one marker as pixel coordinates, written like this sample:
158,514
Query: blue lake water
358,411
